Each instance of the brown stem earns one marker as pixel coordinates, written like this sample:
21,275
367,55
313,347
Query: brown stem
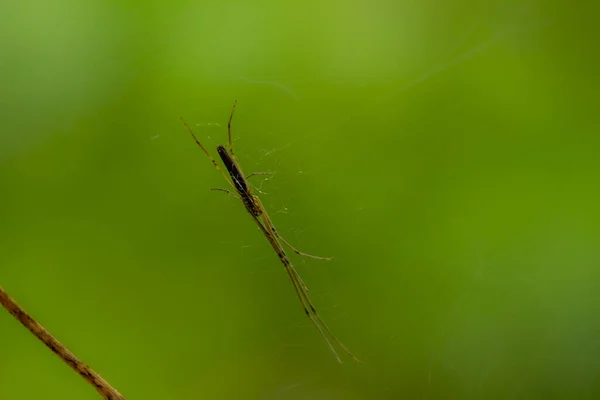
103,387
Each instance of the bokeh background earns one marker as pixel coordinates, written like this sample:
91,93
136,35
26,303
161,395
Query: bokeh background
444,152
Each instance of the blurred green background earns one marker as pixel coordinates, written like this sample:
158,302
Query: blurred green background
445,153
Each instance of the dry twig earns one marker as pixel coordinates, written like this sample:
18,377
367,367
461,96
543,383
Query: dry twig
103,387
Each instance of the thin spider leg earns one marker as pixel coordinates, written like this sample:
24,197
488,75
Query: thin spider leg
229,129
300,281
258,173
298,287
314,315
296,281
272,240
276,233
323,324
298,251
231,140
206,152
229,192
269,227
